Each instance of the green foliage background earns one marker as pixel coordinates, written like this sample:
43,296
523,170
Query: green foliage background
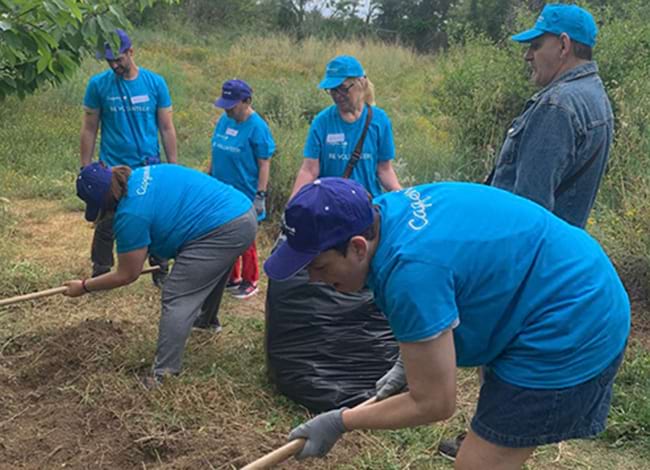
44,41
449,113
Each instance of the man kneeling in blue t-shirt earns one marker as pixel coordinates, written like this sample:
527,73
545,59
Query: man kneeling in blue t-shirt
467,275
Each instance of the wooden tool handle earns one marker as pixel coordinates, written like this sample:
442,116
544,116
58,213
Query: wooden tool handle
279,455
291,448
53,291
33,295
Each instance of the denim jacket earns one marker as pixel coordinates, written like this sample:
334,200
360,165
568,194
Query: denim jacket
556,151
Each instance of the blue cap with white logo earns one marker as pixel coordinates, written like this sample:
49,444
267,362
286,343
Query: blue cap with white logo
321,216
340,68
556,19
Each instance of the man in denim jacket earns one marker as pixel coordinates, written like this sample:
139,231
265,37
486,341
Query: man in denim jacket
556,151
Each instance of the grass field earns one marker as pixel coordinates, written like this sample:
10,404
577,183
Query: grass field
69,367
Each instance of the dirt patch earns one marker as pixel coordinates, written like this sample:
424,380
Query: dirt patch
44,421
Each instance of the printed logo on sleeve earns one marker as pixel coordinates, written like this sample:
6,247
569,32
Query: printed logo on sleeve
139,99
335,138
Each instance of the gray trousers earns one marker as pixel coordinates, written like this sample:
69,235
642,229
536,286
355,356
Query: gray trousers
192,292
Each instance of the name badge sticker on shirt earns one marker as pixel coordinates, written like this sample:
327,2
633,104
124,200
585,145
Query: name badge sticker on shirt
232,132
139,99
335,138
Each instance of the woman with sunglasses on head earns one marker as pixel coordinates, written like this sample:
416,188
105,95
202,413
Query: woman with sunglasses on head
337,129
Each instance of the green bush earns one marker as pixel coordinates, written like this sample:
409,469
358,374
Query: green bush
629,418
481,88
621,219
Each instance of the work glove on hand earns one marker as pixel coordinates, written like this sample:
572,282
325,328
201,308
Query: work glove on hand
159,277
392,382
259,203
321,433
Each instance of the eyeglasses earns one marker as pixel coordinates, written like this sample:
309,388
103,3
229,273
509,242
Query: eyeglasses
341,90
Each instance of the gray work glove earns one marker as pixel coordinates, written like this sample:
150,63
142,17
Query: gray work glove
392,382
321,433
259,203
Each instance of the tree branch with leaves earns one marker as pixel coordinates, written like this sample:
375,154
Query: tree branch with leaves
44,41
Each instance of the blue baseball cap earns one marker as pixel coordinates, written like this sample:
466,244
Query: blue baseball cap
322,215
125,45
232,93
93,185
556,19
340,68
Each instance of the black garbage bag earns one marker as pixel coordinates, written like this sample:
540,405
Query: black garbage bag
325,349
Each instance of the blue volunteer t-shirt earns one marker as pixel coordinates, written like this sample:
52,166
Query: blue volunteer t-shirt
128,115
331,140
236,146
537,300
168,205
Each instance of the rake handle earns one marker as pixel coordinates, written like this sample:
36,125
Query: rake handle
291,448
279,455
53,291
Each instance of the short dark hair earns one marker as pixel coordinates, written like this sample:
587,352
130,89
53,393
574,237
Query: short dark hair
369,234
581,51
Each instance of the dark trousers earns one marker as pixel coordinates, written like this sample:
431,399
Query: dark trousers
101,251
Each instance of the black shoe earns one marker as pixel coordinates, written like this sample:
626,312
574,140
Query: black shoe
233,286
99,269
214,328
246,290
448,448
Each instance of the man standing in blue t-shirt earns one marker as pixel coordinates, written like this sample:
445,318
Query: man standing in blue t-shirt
132,104
467,275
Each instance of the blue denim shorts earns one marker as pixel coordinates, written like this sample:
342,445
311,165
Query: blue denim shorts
511,416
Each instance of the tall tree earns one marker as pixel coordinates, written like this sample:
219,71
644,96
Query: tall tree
420,23
44,41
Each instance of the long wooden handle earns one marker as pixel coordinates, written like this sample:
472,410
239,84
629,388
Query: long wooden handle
291,448
279,455
53,291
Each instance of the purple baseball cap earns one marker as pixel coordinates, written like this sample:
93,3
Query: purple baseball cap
322,215
232,93
93,185
125,45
